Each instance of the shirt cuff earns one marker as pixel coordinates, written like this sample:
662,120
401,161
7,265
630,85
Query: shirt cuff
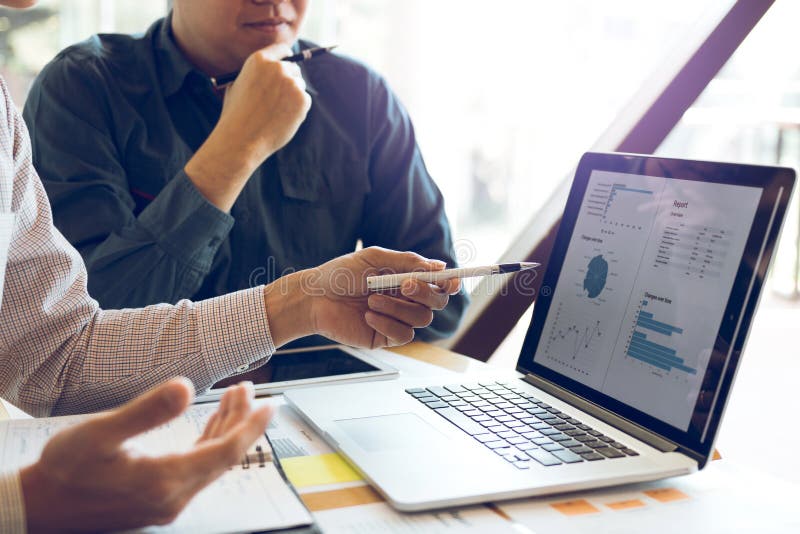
234,332
12,505
185,223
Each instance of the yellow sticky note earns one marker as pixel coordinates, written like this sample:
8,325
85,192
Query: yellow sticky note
304,471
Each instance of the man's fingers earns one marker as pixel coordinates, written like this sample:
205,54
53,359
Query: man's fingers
410,313
450,287
237,401
214,456
396,333
150,410
391,261
424,293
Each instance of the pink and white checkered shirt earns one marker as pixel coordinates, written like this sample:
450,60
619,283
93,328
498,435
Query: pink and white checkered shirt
60,353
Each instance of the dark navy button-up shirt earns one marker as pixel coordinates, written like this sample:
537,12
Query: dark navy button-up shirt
114,120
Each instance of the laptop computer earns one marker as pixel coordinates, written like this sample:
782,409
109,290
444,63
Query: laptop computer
627,365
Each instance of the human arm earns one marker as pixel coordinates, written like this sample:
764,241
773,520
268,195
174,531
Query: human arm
163,249
86,480
405,209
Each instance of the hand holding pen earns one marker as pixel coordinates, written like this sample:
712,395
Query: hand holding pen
261,113
224,80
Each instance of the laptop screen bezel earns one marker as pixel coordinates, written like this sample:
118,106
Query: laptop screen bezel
776,184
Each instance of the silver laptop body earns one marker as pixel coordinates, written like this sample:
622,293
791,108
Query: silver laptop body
627,365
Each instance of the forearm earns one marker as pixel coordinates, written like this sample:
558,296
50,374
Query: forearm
121,354
163,255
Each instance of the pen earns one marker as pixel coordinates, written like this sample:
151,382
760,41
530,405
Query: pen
388,281
227,79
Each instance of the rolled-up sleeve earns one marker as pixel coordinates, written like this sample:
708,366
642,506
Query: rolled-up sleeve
163,252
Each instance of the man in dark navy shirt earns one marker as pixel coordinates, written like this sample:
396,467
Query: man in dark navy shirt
160,182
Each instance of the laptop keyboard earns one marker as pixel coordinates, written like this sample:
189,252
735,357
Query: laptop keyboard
519,427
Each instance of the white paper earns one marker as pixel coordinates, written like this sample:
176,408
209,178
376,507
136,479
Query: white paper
242,500
380,517
720,499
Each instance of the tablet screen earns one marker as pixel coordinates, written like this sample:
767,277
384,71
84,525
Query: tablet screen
286,366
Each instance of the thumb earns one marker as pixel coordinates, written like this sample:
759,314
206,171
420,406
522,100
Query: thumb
153,409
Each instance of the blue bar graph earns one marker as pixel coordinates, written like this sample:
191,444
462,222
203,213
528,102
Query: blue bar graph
645,320
615,188
659,356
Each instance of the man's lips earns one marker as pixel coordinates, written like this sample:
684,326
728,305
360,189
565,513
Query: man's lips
268,24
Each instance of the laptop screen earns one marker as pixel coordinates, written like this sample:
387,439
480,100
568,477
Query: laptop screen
635,297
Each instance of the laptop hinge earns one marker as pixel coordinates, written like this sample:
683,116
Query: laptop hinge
640,433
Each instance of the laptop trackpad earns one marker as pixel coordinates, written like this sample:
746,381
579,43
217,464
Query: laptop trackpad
387,432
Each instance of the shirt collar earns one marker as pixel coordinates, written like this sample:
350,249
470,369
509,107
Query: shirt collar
173,67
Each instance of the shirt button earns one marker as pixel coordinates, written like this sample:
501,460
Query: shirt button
242,368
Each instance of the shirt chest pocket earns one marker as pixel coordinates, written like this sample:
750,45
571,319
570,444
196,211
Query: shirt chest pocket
322,207
322,182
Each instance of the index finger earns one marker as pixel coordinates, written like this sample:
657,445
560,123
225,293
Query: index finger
150,410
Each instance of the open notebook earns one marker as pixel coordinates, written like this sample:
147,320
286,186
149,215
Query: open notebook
252,496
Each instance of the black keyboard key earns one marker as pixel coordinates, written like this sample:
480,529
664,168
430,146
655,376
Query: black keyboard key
412,391
583,427
567,456
526,406
544,457
595,444
592,456
617,445
559,437
545,416
573,421
585,438
461,421
538,425
549,432
563,427
610,452
630,452
594,433
570,443
607,439
553,410
536,411
575,432
582,449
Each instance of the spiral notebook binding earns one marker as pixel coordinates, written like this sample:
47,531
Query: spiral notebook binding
259,457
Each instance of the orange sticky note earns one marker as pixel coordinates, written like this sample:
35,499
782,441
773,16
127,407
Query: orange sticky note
576,507
626,505
666,494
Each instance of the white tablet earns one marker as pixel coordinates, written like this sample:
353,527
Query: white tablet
298,367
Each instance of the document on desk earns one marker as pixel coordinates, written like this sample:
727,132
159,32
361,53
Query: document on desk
342,502
249,497
719,499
